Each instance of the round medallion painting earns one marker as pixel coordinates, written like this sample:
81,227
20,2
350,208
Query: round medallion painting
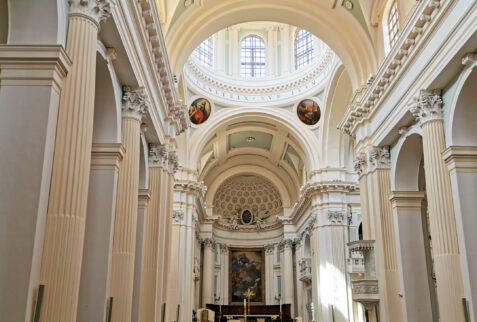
199,111
308,112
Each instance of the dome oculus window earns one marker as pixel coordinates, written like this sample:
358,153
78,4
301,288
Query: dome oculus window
252,57
304,48
205,52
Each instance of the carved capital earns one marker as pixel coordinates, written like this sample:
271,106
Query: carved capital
96,10
224,249
378,158
177,216
360,164
135,103
158,155
173,161
427,107
269,249
209,243
337,217
285,244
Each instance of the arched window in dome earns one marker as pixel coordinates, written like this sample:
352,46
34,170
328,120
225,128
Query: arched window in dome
304,48
205,52
392,25
252,57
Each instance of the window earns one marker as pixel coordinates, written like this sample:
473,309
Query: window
393,23
205,52
252,56
304,48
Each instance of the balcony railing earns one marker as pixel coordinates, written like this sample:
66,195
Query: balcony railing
305,269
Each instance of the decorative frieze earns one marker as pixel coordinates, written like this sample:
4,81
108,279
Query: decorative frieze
97,10
135,103
427,106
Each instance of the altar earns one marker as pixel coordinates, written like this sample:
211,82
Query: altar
255,313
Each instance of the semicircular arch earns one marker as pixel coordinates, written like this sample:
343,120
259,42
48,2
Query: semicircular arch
308,142
336,27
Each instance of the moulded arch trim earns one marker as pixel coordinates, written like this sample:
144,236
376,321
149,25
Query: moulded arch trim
102,50
143,164
290,181
246,169
406,161
336,28
23,26
460,85
306,139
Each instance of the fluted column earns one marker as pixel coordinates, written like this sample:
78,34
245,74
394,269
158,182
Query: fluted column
427,108
389,287
174,267
208,273
153,253
286,247
360,166
142,215
122,274
65,223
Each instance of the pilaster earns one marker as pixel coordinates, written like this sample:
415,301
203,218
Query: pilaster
361,168
427,108
388,274
65,225
208,272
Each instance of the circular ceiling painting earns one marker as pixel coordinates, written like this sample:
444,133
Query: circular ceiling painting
199,111
308,112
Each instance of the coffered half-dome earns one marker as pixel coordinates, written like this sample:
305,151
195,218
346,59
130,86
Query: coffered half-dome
247,201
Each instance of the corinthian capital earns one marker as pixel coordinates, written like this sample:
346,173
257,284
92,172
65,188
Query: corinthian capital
158,155
135,103
173,161
97,10
427,106
360,164
378,158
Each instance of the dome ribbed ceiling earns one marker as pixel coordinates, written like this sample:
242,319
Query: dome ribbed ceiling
247,192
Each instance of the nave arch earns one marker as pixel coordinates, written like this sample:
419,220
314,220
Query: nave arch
334,26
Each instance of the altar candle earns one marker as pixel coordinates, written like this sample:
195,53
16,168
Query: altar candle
280,305
244,303
220,308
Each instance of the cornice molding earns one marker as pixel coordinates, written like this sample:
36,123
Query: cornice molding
34,66
107,156
410,40
176,110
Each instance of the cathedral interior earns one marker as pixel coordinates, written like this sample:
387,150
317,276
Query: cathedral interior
238,160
